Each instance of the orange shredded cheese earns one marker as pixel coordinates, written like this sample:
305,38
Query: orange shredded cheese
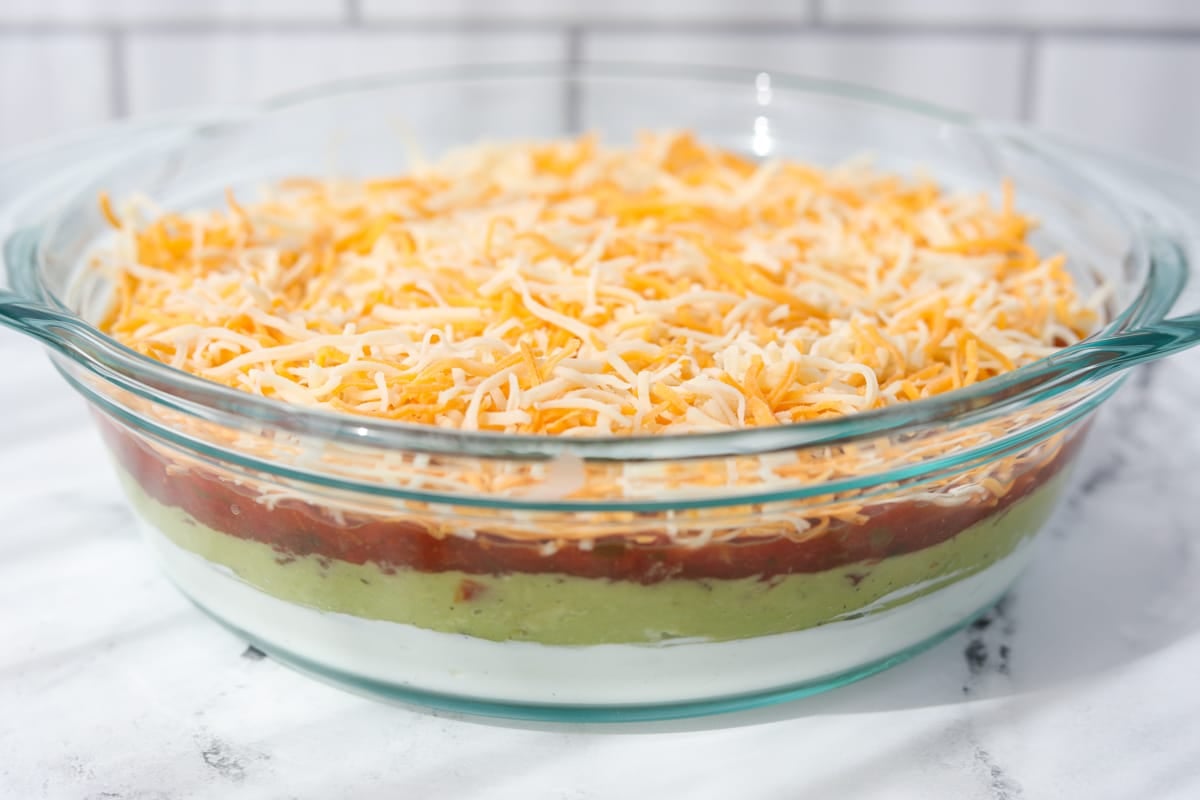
572,288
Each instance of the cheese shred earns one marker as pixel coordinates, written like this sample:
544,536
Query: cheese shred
572,288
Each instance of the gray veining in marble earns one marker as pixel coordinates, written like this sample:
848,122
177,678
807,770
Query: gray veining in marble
1082,684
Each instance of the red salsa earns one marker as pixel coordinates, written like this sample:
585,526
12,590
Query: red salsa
297,529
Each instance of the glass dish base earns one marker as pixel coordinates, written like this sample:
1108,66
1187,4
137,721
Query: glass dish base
427,701
596,683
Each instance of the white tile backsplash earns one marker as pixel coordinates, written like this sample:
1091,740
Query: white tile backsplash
587,10
1136,96
171,70
125,11
981,75
49,84
1098,13
1116,71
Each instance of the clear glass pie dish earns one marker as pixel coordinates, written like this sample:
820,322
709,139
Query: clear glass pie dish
594,578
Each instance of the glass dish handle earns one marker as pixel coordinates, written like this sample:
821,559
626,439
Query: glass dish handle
22,309
33,182
1169,205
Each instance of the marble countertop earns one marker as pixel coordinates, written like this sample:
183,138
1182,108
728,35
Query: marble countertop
1081,684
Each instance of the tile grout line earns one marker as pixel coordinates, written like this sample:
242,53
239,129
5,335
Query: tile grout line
624,26
1031,64
815,12
572,99
118,91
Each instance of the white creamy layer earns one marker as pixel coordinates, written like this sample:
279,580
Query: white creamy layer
524,673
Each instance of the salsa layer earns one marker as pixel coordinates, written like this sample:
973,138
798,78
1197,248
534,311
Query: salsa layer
299,529
556,609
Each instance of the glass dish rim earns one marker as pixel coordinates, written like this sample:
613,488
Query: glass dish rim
192,395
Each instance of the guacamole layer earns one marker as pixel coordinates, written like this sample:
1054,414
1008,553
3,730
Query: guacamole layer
567,609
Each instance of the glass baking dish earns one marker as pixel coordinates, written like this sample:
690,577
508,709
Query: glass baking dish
603,578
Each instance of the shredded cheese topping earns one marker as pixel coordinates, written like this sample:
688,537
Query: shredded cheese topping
577,289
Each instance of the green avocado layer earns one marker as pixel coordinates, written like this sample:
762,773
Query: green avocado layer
569,610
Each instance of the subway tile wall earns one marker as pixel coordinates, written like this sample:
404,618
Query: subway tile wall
1124,73
986,80
169,70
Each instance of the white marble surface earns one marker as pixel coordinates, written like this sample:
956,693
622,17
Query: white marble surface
1083,685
